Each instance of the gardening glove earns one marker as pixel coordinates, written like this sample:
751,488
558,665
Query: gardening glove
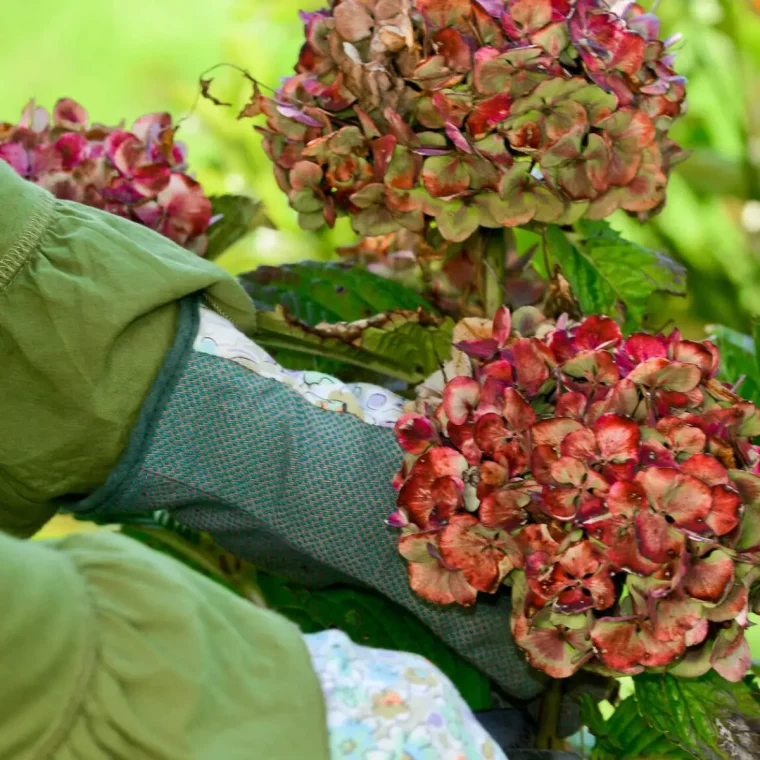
109,649
128,385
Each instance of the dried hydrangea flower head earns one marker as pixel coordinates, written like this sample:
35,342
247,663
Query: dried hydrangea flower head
138,174
474,113
611,482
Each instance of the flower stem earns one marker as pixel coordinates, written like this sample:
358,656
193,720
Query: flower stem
493,259
549,717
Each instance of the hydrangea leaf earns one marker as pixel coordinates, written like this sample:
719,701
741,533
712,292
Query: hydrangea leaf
611,275
406,345
318,292
738,360
625,734
707,717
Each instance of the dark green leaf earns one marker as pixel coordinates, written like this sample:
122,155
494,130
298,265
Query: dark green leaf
708,717
406,345
371,620
239,216
591,716
738,360
316,291
610,275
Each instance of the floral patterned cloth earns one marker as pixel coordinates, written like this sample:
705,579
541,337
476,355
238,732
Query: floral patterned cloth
371,403
385,705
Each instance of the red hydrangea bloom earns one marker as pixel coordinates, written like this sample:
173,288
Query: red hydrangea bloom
610,483
474,113
138,174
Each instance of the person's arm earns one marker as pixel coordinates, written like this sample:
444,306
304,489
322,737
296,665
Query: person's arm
114,396
88,310
111,650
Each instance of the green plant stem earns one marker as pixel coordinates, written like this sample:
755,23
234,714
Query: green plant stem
549,717
492,270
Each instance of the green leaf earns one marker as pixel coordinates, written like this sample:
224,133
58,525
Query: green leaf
610,275
738,359
626,735
371,620
406,345
318,292
239,216
708,717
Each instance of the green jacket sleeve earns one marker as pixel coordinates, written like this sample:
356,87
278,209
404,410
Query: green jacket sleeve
88,309
111,650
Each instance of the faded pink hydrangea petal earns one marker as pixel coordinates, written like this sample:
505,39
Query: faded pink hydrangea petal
69,114
480,84
15,155
121,172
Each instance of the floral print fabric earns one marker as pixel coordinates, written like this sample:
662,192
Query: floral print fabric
371,403
384,705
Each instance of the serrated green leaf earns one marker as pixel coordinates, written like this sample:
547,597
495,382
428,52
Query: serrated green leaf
610,275
405,345
626,735
738,359
708,717
316,291
371,620
239,216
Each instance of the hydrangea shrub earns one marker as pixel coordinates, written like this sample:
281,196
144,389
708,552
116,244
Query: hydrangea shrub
611,482
462,115
139,174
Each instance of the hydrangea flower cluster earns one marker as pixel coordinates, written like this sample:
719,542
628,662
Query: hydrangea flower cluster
474,113
138,174
612,483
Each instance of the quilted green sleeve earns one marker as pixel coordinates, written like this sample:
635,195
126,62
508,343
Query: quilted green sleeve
88,309
111,650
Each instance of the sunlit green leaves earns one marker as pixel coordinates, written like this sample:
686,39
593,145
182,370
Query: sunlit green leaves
708,717
610,275
625,735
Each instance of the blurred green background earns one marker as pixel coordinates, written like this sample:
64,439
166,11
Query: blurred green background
122,60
